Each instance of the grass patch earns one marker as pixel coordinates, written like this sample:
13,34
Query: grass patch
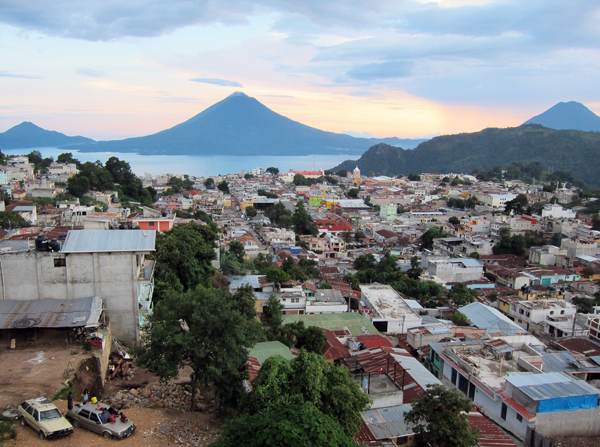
62,394
7,431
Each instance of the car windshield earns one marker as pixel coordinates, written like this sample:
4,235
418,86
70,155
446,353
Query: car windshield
50,414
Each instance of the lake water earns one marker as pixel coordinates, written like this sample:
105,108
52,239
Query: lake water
200,166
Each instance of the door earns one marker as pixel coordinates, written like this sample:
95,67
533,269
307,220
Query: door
95,423
84,420
503,411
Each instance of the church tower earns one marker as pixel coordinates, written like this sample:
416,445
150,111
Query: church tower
356,176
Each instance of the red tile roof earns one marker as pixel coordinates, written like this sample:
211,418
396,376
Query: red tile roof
374,341
334,349
490,434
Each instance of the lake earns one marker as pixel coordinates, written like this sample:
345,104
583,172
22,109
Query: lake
198,166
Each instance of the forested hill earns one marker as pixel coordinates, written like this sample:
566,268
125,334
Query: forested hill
568,150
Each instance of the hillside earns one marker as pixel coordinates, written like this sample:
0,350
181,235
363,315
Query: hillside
240,125
27,135
568,116
567,150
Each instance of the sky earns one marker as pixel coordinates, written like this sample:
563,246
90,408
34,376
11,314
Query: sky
110,69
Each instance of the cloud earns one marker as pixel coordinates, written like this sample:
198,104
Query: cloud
90,72
383,70
4,74
216,81
358,134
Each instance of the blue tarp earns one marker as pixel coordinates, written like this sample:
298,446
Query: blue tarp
567,403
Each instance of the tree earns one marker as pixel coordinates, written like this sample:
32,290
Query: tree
352,193
184,255
415,268
428,237
312,339
474,255
325,286
244,301
276,275
199,329
273,170
342,173
248,176
346,236
67,157
517,205
223,186
237,248
209,183
460,319
250,211
303,223
272,311
438,418
588,272
296,425
461,295
454,220
308,379
414,177
78,185
10,220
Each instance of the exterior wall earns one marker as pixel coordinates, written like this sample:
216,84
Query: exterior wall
454,272
582,422
113,276
159,225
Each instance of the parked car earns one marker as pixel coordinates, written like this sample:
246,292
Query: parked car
43,416
102,419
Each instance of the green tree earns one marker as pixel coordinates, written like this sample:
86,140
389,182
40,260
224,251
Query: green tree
325,286
248,176
474,255
438,418
352,193
342,173
303,223
199,329
454,220
237,249
9,220
276,275
262,264
312,339
67,157
250,211
223,186
78,185
428,237
272,311
517,205
296,425
184,255
460,319
461,295
308,379
273,170
244,301
209,183
414,177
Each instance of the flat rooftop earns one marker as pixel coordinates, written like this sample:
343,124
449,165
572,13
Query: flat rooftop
386,302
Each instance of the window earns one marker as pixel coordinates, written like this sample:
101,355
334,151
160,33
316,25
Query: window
94,418
60,262
454,376
151,224
551,312
503,411
30,410
521,311
36,415
519,417
527,314
84,413
562,312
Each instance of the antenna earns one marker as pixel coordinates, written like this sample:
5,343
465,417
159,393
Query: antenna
314,163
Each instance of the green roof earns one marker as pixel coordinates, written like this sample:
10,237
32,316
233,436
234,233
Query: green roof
336,322
262,351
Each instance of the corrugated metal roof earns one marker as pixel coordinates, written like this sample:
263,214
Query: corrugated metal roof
558,390
386,423
529,379
93,241
50,313
485,317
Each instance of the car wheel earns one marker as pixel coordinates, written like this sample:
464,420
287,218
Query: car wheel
42,435
75,423
23,421
106,435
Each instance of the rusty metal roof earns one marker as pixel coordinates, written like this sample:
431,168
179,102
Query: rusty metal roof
50,313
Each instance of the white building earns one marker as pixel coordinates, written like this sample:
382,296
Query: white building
496,200
455,269
391,313
557,211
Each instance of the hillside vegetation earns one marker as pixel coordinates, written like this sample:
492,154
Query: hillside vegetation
567,150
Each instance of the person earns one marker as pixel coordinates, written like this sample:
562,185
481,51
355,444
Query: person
104,416
70,401
86,395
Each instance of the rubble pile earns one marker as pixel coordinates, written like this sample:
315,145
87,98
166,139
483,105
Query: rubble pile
174,396
185,433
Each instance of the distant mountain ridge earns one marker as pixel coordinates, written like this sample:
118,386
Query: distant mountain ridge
27,135
568,116
569,150
241,125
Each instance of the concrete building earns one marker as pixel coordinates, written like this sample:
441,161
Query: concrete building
390,312
456,270
389,212
110,264
496,200
546,254
557,211
579,246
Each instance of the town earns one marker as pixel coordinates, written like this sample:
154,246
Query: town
397,291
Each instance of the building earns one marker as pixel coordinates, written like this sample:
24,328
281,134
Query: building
558,212
496,200
546,254
389,212
356,176
389,311
455,270
110,264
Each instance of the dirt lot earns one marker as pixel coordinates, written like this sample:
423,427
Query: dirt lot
30,372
